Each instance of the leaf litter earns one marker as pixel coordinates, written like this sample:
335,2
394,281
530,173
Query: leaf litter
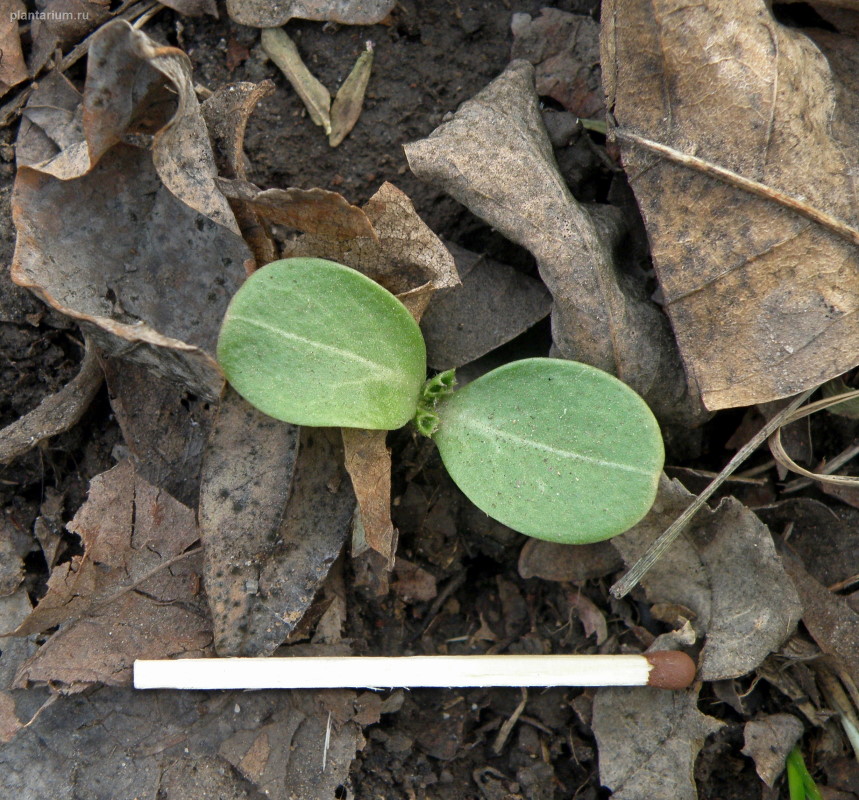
105,271
724,568
268,589
494,157
766,288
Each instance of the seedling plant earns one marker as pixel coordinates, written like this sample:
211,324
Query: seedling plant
555,449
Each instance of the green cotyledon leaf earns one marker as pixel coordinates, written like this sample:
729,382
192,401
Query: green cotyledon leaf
312,342
554,449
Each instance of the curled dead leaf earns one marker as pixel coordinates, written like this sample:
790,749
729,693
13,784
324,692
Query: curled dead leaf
227,113
495,157
55,414
147,252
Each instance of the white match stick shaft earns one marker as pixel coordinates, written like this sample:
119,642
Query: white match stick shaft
414,671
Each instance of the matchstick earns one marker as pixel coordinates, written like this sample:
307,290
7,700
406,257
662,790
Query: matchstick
669,669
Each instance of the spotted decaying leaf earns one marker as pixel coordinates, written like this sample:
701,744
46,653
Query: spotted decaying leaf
768,740
275,511
757,266
147,252
134,593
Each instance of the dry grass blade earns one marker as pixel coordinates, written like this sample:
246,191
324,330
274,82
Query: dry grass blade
316,98
638,570
780,454
847,232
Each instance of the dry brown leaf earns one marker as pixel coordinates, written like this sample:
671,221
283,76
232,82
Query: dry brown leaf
274,13
316,211
134,593
163,427
57,413
725,568
495,157
227,113
762,298
147,253
163,617
13,70
274,515
349,101
567,562
648,741
592,619
824,537
413,583
768,740
304,750
130,531
830,620
9,722
368,461
494,304
404,255
565,51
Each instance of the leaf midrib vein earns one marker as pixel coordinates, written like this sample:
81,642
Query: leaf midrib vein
383,369
482,427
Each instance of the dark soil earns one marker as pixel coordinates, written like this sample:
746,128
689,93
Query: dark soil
440,744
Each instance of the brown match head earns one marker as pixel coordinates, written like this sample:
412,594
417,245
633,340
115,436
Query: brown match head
670,669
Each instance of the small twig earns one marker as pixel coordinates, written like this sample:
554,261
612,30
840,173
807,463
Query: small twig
509,724
641,567
840,586
147,15
753,187
706,473
760,468
55,414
